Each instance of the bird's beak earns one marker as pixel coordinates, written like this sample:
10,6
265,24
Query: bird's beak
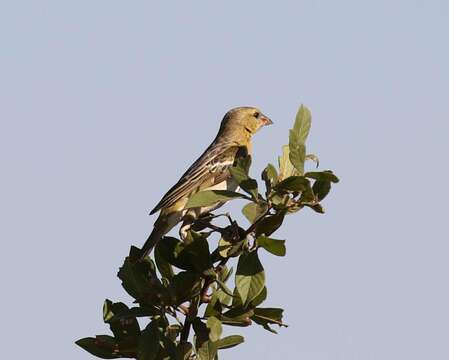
266,120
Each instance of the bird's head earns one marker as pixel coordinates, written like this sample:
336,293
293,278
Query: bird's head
244,121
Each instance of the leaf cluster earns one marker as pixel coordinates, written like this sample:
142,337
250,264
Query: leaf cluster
184,292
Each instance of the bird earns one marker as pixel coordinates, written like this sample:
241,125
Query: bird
209,172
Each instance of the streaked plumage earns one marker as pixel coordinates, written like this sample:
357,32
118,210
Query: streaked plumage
210,171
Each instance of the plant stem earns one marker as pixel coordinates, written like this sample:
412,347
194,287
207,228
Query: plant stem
191,314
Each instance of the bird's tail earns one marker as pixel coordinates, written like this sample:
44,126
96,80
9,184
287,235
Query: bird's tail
162,226
156,235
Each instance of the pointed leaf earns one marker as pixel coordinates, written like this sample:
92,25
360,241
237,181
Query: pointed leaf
184,285
250,277
119,318
298,136
303,122
102,346
268,316
230,341
276,247
286,168
164,267
215,328
326,175
212,197
269,224
321,189
270,177
297,153
260,298
294,183
253,211
240,173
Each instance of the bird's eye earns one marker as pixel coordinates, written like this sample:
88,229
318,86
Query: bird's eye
256,114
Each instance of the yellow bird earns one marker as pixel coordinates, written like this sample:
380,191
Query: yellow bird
209,172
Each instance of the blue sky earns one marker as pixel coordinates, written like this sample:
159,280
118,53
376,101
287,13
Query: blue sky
105,104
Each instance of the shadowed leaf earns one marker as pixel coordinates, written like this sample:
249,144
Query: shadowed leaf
269,224
163,265
119,318
101,346
294,183
184,351
184,286
149,345
326,175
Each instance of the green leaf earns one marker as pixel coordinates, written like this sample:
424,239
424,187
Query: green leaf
206,349
122,324
269,224
317,208
212,197
250,277
240,173
326,175
297,153
214,307
270,177
198,252
141,311
294,183
230,341
228,249
225,273
222,287
215,328
260,298
253,211
102,346
149,342
163,265
194,256
303,122
286,168
297,139
184,286
321,189
267,316
172,250
140,281
276,247
237,315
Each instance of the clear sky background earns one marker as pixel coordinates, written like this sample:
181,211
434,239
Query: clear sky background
105,103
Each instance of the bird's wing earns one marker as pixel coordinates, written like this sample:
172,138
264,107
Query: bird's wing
210,168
